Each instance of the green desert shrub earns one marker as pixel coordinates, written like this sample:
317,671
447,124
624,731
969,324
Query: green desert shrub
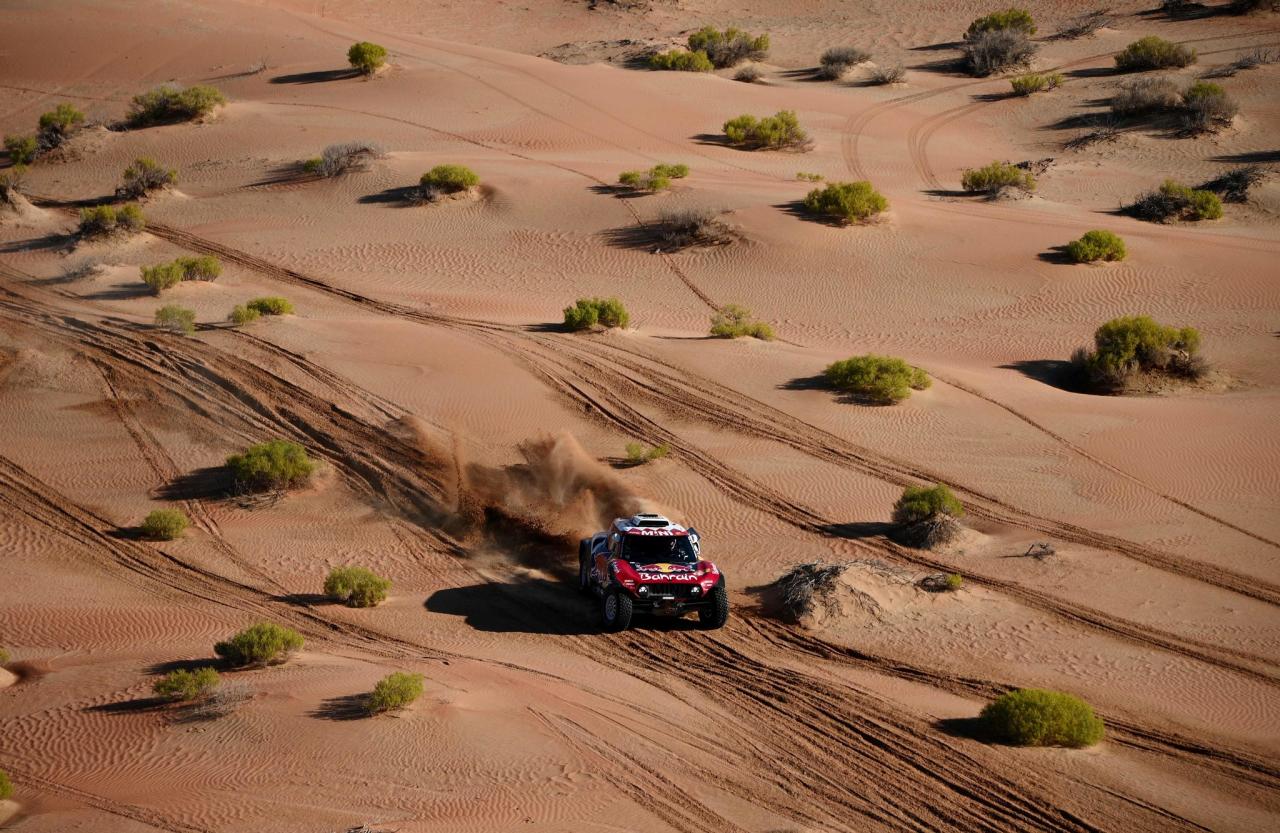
1154,52
4,656
1175,201
447,179
805,176
367,57
1036,717
64,118
921,503
591,312
1207,107
657,178
242,314
356,587
849,202
22,149
954,581
837,60
343,157
103,220
184,685
879,379
730,47
991,178
997,49
638,453
277,464
11,184
395,691
167,104
6,786
271,305
1034,82
781,130
1012,19
1126,347
1098,244
201,268
176,319
143,176
165,524
733,321
162,276
260,644
680,60
1146,96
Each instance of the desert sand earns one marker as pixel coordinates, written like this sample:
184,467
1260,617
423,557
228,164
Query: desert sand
465,442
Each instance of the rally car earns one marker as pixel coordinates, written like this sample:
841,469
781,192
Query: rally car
647,563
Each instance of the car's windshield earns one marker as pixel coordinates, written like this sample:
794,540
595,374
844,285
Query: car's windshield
658,549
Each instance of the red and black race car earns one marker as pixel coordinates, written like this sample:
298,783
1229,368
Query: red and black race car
646,563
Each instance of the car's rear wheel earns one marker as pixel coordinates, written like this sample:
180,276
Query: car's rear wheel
584,565
716,612
615,611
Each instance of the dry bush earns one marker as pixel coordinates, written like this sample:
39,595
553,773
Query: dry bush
1175,201
1262,56
11,184
344,157
997,49
837,60
218,703
929,533
1084,25
143,176
749,74
682,228
57,125
1145,96
1208,108
800,587
941,582
1234,185
1107,130
894,74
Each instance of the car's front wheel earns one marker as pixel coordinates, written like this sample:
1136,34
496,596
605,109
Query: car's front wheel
716,612
615,611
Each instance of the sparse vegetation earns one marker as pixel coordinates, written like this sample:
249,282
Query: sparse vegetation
877,379
184,685
1175,201
4,656
681,60
143,176
168,275
848,202
657,178
994,50
1128,347
274,465
395,691
1036,717
808,177
928,515
802,585
749,74
1261,56
165,524
730,47
6,786
105,220
260,644
1208,107
11,182
242,314
356,587
367,58
22,149
176,319
161,276
271,305
1034,82
680,228
166,104
447,179
1084,25
889,74
1146,95
1098,244
342,158
954,582
1154,52
989,179
733,321
1008,20
639,453
587,313
57,125
781,130
837,60
941,582
1234,185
